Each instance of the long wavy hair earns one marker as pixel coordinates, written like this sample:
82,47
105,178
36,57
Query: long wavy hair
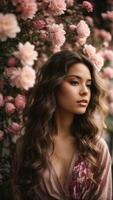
39,120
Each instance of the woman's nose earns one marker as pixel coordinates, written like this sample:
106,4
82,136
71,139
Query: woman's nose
84,90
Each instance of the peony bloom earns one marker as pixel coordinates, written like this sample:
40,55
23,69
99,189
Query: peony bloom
9,108
23,78
12,61
96,58
28,9
82,29
89,50
57,7
9,98
57,35
108,54
97,61
14,128
39,24
108,15
26,54
108,72
87,6
1,100
9,71
105,35
20,102
69,3
8,26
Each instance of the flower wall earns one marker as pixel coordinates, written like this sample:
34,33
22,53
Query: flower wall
32,30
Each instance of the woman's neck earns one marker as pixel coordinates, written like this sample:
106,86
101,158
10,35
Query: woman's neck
63,121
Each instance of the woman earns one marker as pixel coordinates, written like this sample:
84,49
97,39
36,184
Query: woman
62,155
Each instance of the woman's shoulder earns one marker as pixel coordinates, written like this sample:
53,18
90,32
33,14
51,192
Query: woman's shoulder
104,150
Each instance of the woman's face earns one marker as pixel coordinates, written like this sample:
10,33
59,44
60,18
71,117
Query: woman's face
74,92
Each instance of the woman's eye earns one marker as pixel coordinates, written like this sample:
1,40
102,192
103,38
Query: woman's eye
74,82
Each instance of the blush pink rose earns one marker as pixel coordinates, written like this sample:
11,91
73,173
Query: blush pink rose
82,29
14,128
57,35
23,78
9,108
87,6
20,102
108,72
69,3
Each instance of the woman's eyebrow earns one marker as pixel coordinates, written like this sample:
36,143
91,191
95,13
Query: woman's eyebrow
76,76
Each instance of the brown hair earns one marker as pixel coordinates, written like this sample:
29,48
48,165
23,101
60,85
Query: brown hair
39,115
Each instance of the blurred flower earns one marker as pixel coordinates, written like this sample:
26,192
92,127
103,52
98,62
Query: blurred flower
9,108
9,99
108,72
88,6
14,128
57,35
1,135
97,61
108,15
1,100
69,3
57,7
20,102
105,35
8,26
8,71
27,8
108,54
39,24
82,29
89,21
26,54
23,78
90,50
12,61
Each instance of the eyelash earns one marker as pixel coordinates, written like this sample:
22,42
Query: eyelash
76,83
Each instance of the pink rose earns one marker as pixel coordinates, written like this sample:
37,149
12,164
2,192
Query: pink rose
20,102
9,99
88,6
57,34
1,100
23,78
82,29
8,26
97,61
108,72
57,7
9,108
69,3
14,128
12,61
89,50
29,9
39,24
